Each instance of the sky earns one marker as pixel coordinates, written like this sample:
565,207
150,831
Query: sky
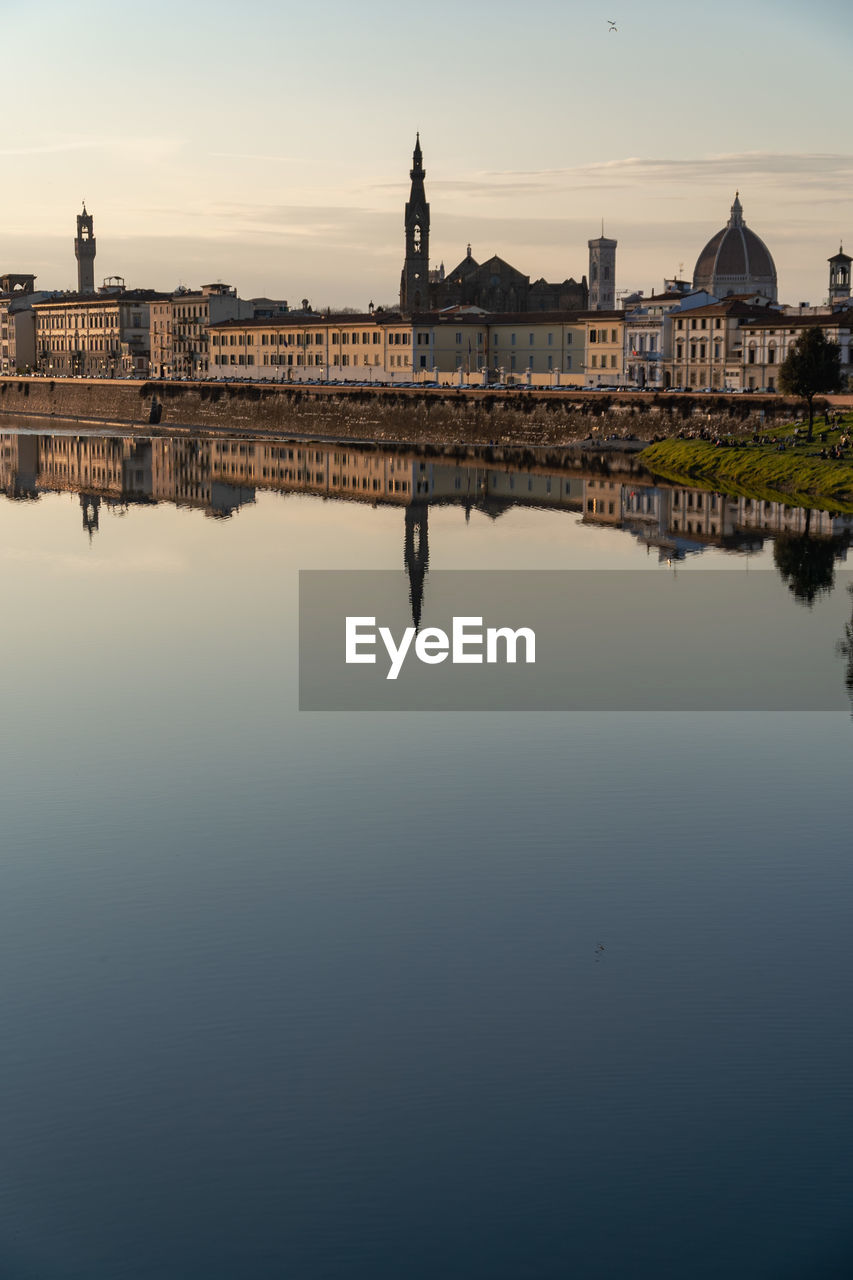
268,145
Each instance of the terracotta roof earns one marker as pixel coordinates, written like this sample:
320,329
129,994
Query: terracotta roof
734,253
834,320
729,307
101,299
306,321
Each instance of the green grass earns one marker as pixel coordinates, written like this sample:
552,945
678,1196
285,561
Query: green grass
799,478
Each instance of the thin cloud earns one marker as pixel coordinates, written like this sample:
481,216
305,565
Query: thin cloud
828,170
251,155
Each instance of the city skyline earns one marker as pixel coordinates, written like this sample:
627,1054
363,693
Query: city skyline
275,156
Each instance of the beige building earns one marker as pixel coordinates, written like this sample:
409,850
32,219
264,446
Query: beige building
376,346
542,350
706,344
101,335
17,323
180,343
766,341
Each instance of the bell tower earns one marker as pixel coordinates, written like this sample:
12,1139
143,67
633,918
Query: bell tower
414,283
839,277
602,273
84,252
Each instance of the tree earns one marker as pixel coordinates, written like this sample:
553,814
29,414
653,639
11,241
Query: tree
807,564
845,650
812,367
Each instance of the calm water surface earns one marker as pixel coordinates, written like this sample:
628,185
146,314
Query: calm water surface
419,995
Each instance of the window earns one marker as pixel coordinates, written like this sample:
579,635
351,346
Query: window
459,339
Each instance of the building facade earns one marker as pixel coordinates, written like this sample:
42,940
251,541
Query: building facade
179,328
106,335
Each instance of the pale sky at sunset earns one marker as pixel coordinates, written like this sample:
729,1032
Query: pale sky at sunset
268,144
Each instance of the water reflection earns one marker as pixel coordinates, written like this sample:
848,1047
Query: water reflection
610,489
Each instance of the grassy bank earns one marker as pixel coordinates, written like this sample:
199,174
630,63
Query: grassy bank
799,477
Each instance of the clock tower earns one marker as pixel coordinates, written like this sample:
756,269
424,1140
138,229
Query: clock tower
414,282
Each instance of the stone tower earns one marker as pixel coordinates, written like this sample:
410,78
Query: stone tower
414,283
84,252
839,277
602,273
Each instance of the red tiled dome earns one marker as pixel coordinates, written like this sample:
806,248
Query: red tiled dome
736,260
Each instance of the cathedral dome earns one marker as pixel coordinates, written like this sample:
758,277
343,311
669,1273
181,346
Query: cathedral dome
736,260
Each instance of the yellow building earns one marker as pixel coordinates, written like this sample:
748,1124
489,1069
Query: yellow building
605,348
376,347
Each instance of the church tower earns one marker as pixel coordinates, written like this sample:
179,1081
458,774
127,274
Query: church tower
602,273
416,555
414,283
839,277
84,252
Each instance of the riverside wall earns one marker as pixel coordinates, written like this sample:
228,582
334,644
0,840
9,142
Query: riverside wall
440,415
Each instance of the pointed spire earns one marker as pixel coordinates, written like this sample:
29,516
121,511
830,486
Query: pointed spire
417,160
736,220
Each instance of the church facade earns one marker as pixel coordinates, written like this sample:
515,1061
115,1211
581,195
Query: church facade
494,285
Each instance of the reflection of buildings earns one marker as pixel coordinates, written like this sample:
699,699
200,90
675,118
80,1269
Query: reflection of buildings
19,466
219,476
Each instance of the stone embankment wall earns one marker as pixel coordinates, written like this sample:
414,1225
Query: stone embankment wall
441,415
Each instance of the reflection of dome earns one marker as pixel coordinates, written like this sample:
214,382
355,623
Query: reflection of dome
736,260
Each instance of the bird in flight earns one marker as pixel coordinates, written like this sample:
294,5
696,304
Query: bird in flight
612,26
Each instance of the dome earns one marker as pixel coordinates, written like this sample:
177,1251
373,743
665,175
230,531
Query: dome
736,260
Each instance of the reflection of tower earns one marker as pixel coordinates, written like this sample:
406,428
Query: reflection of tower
414,293
84,252
91,508
416,555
